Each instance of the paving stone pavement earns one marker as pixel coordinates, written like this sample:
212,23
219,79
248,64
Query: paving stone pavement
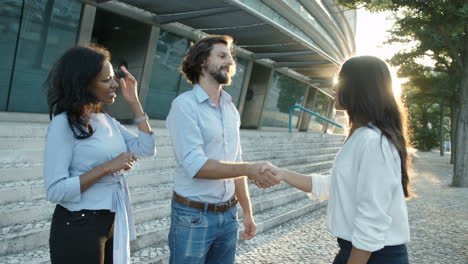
438,222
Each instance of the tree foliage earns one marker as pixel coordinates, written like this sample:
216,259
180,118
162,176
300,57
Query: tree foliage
435,29
422,98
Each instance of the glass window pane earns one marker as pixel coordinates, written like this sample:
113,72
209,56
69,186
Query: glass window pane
166,75
48,29
320,107
10,15
184,85
237,81
284,93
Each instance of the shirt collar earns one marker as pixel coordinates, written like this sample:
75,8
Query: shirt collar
203,96
200,93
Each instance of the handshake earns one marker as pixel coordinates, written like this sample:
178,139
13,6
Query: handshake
264,174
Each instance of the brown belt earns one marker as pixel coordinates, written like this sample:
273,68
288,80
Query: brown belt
215,208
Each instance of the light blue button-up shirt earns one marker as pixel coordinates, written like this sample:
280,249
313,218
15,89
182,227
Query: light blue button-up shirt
200,131
66,158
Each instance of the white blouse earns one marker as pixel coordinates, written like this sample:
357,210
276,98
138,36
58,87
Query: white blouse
366,201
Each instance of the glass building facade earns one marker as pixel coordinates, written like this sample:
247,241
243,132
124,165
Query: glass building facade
166,79
321,105
34,35
285,92
167,82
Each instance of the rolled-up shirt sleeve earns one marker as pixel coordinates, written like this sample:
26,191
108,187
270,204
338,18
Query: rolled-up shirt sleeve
239,154
320,187
375,185
60,187
142,144
186,137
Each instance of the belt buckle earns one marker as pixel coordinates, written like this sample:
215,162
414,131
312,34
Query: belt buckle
221,208
218,208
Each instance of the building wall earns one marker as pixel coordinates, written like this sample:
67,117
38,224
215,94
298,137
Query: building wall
36,33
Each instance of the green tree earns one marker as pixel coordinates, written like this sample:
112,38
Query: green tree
422,97
439,30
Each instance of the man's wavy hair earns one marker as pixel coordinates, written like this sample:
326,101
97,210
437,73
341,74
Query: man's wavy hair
198,53
69,87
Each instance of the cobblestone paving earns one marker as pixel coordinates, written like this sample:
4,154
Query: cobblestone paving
438,223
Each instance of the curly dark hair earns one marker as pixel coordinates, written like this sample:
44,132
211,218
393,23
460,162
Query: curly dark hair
198,53
68,87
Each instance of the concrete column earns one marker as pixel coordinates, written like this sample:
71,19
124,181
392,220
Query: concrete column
309,104
148,64
326,125
256,94
86,25
270,81
245,86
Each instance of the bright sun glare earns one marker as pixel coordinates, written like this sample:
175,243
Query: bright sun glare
371,33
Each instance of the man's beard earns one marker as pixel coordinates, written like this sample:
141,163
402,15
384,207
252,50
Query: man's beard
220,77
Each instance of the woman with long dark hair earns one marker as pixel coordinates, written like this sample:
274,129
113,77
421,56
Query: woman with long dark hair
369,179
86,153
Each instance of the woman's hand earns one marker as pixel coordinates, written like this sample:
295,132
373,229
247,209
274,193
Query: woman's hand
129,87
124,161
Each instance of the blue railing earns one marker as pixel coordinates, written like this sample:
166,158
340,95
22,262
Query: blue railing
310,112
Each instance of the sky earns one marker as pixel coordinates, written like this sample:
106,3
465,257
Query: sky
371,33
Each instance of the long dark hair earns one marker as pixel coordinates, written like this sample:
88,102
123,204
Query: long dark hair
365,92
69,87
198,53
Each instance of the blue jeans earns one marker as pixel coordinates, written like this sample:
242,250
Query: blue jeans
387,255
200,236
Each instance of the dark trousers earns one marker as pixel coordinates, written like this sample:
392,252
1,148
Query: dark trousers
84,236
387,255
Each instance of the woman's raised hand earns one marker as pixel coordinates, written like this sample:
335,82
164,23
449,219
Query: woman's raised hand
129,87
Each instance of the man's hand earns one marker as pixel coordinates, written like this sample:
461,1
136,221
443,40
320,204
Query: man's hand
270,169
250,227
264,180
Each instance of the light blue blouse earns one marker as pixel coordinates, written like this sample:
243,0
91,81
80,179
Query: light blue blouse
66,158
200,131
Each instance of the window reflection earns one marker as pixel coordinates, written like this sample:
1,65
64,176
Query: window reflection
48,28
321,105
10,14
235,88
284,93
166,76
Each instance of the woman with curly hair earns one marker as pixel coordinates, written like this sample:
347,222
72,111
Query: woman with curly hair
86,153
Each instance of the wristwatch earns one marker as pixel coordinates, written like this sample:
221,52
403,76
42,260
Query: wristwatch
140,119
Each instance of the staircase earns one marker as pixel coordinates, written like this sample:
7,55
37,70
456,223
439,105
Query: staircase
26,215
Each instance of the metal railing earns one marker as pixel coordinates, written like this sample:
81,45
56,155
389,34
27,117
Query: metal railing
291,110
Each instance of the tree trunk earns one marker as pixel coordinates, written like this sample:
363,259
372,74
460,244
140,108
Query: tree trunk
460,170
453,129
441,129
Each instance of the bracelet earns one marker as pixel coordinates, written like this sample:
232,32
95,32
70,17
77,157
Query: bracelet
140,119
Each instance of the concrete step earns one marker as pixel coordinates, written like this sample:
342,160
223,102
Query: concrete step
11,160
158,253
143,198
34,171
155,231
153,225
17,144
26,211
12,129
26,214
34,189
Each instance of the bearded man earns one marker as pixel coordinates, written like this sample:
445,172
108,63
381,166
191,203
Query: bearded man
210,177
